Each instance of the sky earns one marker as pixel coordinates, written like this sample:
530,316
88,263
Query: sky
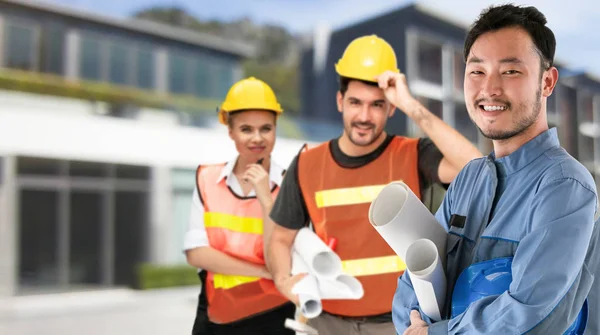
575,23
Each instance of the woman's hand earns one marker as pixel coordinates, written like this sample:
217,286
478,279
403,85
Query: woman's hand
259,178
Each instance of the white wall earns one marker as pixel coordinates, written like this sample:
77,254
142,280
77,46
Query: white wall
40,132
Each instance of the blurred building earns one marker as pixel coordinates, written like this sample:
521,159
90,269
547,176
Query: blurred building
429,49
578,104
97,148
82,46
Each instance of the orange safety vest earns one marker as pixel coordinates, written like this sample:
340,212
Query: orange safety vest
338,201
234,226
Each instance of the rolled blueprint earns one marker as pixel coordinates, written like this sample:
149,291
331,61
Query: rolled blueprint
307,289
343,287
401,219
308,295
320,259
324,279
427,275
406,224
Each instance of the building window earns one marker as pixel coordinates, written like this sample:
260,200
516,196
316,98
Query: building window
87,169
131,232
81,223
586,143
38,239
90,63
52,41
20,47
463,123
434,106
118,64
85,236
178,74
38,166
430,61
145,68
138,172
116,61
587,107
223,80
202,76
458,72
568,118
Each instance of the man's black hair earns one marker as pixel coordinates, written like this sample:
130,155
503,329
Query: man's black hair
527,18
345,81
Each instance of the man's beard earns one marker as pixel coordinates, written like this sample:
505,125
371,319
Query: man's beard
522,124
376,135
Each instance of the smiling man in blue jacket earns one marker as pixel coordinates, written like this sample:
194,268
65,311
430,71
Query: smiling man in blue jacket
526,211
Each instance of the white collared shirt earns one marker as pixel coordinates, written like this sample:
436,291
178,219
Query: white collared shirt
196,236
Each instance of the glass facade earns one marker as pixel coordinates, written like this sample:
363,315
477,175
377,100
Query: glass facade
144,68
35,46
52,46
119,62
204,76
430,61
81,224
179,76
21,43
90,61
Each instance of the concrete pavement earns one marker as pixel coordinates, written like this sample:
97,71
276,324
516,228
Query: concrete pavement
114,312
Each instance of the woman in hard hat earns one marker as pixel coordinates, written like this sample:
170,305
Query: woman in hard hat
225,237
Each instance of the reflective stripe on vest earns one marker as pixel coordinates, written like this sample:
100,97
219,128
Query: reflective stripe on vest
233,223
234,227
373,266
347,196
228,281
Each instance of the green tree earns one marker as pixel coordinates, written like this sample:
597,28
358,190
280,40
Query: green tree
283,80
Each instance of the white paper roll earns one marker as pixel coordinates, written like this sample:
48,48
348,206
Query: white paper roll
343,287
401,219
427,276
325,279
320,259
307,290
298,264
300,328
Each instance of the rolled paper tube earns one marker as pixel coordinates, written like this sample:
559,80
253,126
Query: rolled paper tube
427,276
321,260
307,290
401,219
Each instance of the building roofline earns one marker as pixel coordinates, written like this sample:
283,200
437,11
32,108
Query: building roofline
424,9
144,26
431,11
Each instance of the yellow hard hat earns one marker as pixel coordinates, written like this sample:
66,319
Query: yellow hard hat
249,93
367,57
